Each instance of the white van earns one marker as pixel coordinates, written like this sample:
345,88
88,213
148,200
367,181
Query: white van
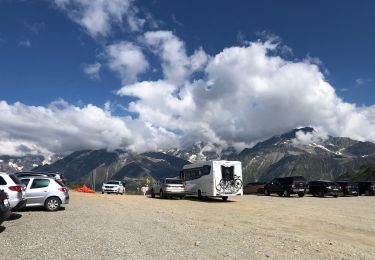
213,179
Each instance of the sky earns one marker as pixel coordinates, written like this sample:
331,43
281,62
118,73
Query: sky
153,75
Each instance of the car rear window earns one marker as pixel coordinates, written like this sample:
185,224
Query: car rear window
15,179
25,181
60,183
173,181
2,181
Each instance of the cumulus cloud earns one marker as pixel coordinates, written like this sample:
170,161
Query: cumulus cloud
97,17
92,70
237,97
62,127
304,138
248,93
127,60
176,64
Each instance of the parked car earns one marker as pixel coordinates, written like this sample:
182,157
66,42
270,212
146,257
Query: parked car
366,187
5,210
254,188
15,190
348,188
325,188
284,186
167,188
56,175
113,187
45,191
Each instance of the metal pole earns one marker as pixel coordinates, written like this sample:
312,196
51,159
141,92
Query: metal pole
94,179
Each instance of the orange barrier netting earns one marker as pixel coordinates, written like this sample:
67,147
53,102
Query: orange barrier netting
84,188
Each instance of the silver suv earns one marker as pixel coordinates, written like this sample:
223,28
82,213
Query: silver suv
113,187
15,189
168,187
45,191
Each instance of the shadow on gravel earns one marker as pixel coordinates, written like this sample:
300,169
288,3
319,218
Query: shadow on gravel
14,216
204,199
209,200
33,209
2,229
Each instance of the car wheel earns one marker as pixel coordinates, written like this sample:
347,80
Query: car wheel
335,196
152,193
102,192
200,195
225,198
266,192
301,195
321,194
286,193
52,204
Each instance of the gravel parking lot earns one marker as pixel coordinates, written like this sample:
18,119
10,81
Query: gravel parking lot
105,226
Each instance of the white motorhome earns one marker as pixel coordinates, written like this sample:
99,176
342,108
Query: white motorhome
213,179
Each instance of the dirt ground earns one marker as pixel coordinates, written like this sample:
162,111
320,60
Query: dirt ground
105,226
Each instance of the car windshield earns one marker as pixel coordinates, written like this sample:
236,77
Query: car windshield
173,181
113,182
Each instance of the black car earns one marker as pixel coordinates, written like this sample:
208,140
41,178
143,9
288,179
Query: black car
284,186
4,206
366,187
348,188
325,188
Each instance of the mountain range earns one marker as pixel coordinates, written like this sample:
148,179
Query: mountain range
301,151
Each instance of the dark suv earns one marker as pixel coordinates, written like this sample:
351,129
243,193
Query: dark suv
348,188
325,188
284,186
366,187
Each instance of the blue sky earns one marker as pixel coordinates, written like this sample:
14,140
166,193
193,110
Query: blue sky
57,50
339,33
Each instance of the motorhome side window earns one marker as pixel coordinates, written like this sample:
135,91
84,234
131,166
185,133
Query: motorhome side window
195,173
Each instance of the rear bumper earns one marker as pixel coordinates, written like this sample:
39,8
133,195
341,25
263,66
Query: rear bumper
333,193
351,192
20,205
174,193
299,190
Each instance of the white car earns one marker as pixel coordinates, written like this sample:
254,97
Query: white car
15,189
113,187
168,188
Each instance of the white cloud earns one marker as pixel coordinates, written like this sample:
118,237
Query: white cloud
92,70
236,97
25,43
127,60
176,64
98,17
62,128
247,94
35,27
360,81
